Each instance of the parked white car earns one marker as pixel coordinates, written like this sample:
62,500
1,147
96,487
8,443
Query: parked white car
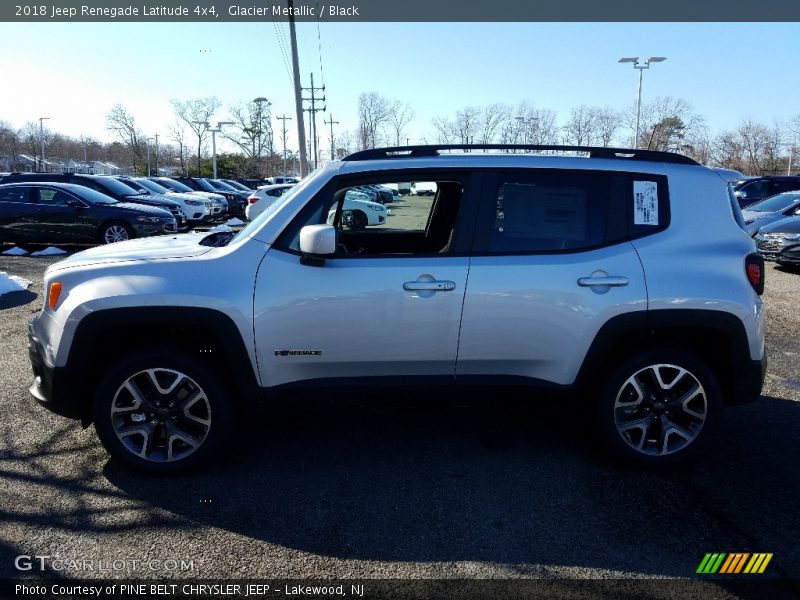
218,203
358,211
263,197
195,208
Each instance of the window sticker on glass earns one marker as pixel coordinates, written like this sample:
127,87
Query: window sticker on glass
645,203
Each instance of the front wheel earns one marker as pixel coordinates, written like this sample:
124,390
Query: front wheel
162,412
115,232
658,407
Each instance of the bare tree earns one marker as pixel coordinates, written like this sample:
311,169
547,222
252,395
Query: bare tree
120,122
446,132
373,114
252,128
177,133
345,143
493,117
582,127
197,114
400,115
608,123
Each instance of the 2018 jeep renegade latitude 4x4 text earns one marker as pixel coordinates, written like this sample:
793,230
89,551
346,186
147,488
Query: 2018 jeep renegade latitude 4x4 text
623,275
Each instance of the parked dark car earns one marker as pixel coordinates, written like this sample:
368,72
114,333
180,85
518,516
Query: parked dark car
50,213
752,190
105,185
780,241
770,210
236,200
236,185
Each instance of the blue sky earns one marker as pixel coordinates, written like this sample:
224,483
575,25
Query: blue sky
75,72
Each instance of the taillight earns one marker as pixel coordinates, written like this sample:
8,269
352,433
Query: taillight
754,268
252,199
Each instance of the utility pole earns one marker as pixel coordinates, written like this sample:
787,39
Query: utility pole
41,140
147,143
332,123
284,118
313,113
298,98
156,138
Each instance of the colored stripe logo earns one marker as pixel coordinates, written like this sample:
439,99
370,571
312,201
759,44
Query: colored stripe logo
734,562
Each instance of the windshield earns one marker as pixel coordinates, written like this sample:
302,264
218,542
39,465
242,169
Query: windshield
175,186
134,185
205,185
93,196
256,223
116,187
776,203
152,186
238,186
222,186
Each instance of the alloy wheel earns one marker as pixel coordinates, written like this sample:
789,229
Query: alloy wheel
660,409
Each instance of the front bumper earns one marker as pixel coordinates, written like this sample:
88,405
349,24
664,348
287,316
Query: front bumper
778,250
52,387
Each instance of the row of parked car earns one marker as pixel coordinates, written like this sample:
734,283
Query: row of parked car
64,207
771,213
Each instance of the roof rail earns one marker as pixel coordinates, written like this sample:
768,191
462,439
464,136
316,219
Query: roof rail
592,151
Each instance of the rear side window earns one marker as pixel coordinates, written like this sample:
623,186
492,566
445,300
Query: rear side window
568,211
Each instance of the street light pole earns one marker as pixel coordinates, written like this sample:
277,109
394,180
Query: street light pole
41,141
640,67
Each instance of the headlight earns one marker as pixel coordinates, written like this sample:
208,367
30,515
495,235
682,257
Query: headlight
792,237
194,203
376,208
148,219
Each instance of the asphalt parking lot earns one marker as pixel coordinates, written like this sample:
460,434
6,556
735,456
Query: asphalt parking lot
403,492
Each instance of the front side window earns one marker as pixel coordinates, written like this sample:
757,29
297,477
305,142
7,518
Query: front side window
375,218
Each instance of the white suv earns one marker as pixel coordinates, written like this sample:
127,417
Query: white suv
623,277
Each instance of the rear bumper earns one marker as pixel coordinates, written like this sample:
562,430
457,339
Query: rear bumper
749,381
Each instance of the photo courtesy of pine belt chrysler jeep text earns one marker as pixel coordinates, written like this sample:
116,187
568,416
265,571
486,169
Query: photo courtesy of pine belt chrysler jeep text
622,276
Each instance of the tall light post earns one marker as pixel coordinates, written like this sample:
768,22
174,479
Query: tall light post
640,67
214,131
41,141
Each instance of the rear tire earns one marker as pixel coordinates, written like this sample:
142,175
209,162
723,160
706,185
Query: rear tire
162,411
360,220
657,407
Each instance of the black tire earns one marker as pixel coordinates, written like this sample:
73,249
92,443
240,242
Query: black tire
360,220
659,422
199,397
113,229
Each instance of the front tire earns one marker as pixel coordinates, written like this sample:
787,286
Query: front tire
162,412
115,231
360,220
657,408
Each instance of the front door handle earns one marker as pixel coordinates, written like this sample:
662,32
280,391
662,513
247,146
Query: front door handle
603,281
429,286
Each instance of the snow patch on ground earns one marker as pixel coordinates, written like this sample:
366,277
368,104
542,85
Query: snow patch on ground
12,283
15,251
49,251
234,221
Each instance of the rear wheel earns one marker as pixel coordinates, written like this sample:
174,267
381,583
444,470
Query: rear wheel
657,408
162,411
115,232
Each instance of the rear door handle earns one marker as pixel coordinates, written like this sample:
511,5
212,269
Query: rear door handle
606,281
429,286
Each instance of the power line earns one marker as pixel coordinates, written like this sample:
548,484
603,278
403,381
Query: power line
319,47
283,49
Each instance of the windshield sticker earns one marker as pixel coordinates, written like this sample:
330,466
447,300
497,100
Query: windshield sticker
645,203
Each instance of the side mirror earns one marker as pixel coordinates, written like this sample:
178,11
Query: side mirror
318,240
75,204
